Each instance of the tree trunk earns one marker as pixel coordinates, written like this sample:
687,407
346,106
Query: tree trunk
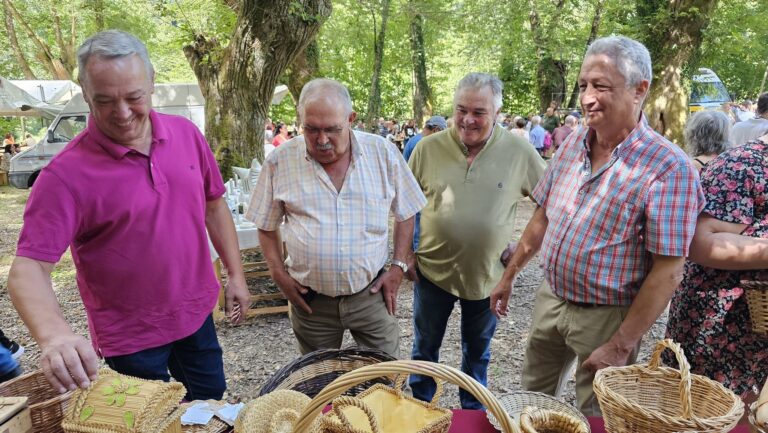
672,43
574,99
550,72
238,80
98,11
422,95
374,99
11,30
304,68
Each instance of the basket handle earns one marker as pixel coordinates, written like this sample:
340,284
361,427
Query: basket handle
344,401
685,372
400,383
373,371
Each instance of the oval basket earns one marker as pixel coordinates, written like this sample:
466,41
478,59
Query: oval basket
514,404
757,302
650,398
306,421
46,406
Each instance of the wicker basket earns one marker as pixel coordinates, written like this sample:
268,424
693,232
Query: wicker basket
314,371
640,398
46,406
308,422
757,301
753,426
434,418
537,420
514,404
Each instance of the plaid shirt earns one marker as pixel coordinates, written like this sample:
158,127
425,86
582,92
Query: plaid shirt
337,241
604,225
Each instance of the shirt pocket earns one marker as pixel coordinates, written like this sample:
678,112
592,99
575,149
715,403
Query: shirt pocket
376,216
626,224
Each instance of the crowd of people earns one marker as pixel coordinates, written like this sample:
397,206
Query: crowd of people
624,224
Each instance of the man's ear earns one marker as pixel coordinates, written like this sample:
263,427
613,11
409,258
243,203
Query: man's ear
352,117
641,90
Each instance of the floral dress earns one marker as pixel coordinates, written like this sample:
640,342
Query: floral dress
709,315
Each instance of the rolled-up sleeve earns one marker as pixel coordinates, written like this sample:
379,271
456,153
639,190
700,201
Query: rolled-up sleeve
265,210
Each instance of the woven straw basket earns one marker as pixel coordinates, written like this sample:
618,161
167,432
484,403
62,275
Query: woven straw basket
757,301
46,405
439,420
516,402
650,398
754,427
537,420
275,412
308,421
117,403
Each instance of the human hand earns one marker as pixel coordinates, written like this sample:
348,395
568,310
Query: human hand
500,297
237,299
68,361
609,354
413,266
292,290
508,253
389,283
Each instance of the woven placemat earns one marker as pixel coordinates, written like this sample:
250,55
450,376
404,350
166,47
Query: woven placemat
514,404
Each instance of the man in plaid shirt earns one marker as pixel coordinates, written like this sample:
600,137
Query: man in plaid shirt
616,214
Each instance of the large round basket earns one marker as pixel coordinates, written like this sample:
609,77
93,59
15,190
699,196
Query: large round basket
314,371
436,371
46,406
754,427
650,398
514,404
757,301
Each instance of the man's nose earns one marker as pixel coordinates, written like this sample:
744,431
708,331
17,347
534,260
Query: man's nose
122,109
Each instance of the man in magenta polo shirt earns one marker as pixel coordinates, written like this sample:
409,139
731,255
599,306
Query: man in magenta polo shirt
132,197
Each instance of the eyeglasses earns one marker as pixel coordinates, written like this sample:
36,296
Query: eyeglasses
333,131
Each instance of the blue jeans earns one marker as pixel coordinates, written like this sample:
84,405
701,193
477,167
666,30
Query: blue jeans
195,361
432,307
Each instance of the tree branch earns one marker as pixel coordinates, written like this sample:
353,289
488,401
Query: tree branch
11,30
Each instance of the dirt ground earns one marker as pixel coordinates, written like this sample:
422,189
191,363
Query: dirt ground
255,350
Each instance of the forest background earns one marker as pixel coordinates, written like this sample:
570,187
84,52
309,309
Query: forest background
400,58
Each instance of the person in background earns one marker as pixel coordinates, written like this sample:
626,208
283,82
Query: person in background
709,315
551,120
281,134
15,348
473,175
29,140
8,140
334,189
537,135
432,125
519,129
615,217
754,127
9,367
562,132
136,197
707,134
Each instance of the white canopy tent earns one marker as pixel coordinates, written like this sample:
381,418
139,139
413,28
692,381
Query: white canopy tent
35,97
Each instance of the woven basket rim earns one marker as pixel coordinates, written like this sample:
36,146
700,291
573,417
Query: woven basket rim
514,408
753,420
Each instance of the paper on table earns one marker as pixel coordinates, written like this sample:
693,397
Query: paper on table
228,412
199,414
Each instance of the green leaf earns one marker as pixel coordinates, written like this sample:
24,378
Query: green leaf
116,382
129,419
111,399
108,390
120,401
86,413
133,390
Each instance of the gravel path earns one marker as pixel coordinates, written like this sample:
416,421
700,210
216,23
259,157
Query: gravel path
255,350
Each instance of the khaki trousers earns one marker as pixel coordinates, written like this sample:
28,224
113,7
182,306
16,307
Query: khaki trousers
563,334
364,314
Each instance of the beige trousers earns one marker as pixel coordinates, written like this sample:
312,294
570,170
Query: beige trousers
563,334
364,314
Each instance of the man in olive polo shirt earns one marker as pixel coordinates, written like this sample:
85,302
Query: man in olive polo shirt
473,175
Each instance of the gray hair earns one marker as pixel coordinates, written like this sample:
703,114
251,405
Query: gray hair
570,120
536,120
708,133
631,57
321,87
112,44
478,80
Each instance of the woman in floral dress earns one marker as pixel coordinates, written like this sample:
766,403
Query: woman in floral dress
709,315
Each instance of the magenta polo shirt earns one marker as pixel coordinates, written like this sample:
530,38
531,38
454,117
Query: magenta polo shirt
135,225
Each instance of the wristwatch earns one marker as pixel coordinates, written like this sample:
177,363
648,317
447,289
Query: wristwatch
399,264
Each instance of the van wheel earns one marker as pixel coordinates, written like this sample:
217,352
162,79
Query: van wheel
32,179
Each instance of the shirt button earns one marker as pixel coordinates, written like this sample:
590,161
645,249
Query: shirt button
570,217
549,268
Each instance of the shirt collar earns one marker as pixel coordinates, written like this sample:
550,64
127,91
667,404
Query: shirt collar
357,151
636,136
463,147
117,151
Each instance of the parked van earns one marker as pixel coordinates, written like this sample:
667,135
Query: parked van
179,99
707,92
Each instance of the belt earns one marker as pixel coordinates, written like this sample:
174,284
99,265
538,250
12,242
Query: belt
580,304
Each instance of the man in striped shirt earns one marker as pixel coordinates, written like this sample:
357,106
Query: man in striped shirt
335,188
616,214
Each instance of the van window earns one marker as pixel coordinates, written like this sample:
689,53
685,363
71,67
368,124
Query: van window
713,91
68,127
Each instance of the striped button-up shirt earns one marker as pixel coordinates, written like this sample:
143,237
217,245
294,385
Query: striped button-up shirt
336,241
604,224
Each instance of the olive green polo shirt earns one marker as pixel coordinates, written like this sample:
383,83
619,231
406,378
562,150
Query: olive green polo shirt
470,213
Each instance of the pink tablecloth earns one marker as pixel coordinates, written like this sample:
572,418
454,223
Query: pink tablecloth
474,421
